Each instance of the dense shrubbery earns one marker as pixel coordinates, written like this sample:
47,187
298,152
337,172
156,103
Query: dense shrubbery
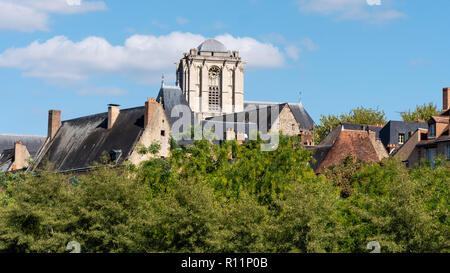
229,198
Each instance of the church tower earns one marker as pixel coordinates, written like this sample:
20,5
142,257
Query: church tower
212,79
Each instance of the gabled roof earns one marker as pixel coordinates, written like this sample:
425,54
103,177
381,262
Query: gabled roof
301,115
32,142
170,97
81,142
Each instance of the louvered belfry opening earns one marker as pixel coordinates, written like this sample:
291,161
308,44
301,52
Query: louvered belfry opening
214,94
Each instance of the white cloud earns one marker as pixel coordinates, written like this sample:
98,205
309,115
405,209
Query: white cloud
293,52
351,10
32,15
142,57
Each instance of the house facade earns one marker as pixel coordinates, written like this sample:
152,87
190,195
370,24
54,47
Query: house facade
430,142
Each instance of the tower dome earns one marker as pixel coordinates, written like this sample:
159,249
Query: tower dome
212,45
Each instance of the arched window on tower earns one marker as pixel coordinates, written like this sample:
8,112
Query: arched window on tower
214,95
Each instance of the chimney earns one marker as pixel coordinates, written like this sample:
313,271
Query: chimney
21,155
113,114
54,122
446,99
150,108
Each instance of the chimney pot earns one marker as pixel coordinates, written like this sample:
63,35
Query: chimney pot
150,108
113,114
446,98
54,122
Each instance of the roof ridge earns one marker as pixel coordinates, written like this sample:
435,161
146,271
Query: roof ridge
103,113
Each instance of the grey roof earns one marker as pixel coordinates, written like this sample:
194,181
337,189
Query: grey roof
263,116
6,157
171,96
212,45
389,133
302,117
81,142
32,142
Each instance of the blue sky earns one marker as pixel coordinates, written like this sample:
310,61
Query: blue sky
78,56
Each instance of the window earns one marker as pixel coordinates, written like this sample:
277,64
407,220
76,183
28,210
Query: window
401,139
448,151
430,154
214,95
293,127
433,130
163,133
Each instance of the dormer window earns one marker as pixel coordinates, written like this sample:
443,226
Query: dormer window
401,139
432,132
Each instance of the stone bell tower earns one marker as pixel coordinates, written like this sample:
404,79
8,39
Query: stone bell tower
212,79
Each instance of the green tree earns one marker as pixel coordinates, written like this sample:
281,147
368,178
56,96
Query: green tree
422,112
392,207
359,115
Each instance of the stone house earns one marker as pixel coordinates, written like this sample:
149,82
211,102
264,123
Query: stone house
77,144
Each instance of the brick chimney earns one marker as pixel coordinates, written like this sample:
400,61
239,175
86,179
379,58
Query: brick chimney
446,99
150,108
54,122
113,114
21,155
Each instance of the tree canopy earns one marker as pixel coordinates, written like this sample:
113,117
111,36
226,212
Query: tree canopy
229,198
422,112
360,115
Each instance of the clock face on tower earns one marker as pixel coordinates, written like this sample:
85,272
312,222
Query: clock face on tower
214,72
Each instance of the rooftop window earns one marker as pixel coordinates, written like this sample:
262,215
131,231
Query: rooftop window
432,130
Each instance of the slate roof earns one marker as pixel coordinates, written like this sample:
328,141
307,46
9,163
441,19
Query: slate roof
301,115
260,113
32,142
6,157
81,142
389,133
212,45
171,96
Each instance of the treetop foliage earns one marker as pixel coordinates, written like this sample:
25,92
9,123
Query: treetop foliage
422,112
359,115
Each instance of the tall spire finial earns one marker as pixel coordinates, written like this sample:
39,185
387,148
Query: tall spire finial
300,96
162,80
